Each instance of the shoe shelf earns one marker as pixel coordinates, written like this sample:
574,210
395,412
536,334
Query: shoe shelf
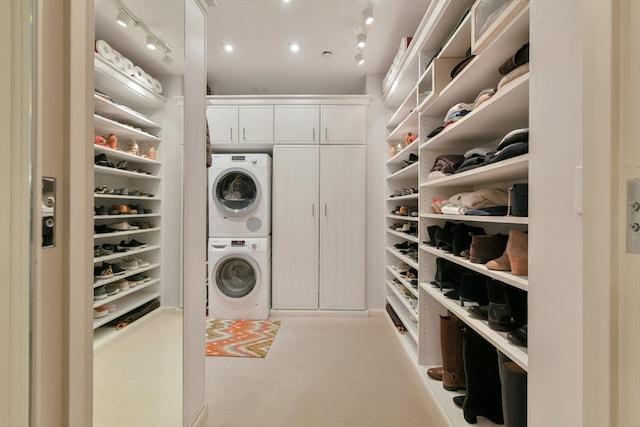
413,196
402,257
122,294
124,132
503,112
509,170
409,124
407,285
406,172
459,41
127,303
128,216
397,161
403,218
118,255
121,113
520,282
404,339
130,273
125,232
105,170
516,220
123,88
404,310
403,235
496,338
403,313
122,196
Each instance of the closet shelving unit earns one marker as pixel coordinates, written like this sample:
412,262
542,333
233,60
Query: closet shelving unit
127,113
420,100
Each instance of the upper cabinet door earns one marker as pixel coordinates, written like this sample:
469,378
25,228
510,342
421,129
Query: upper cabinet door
256,124
223,124
297,124
343,124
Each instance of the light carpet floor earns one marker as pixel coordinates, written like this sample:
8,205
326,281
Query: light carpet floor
320,372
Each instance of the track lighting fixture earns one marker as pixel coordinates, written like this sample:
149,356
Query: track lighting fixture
361,40
367,15
359,58
166,59
228,47
151,42
123,18
294,47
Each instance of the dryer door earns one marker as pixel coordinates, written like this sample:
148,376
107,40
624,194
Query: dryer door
236,192
236,276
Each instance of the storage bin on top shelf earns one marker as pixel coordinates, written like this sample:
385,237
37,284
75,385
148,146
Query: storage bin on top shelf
489,17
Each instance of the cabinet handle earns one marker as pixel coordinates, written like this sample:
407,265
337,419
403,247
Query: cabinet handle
313,209
314,134
231,134
326,133
325,209
244,133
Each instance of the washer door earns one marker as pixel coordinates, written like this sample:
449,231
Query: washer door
237,276
236,192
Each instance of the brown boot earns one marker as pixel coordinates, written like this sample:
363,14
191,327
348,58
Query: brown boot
435,373
485,248
500,264
453,377
518,252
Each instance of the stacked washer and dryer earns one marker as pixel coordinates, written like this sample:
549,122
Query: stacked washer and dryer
240,236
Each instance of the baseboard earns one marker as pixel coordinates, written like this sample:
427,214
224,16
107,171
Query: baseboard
201,418
320,313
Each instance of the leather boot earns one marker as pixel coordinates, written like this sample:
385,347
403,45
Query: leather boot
518,252
435,373
473,287
500,264
453,377
484,391
431,231
462,237
499,317
514,392
485,248
444,237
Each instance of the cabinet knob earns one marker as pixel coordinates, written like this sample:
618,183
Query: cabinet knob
254,245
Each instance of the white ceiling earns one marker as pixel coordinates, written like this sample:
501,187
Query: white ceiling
261,31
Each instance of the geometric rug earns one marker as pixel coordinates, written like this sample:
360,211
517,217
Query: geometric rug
240,338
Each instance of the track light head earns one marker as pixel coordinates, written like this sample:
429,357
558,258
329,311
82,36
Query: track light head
361,40
123,18
151,42
359,58
367,15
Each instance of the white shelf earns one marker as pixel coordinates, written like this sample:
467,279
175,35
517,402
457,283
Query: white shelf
520,220
124,89
400,115
405,340
401,278
118,255
125,305
513,169
122,113
105,126
413,196
520,282
404,154
402,257
105,170
497,339
125,275
400,309
120,197
402,235
127,216
406,172
118,155
122,294
409,124
403,218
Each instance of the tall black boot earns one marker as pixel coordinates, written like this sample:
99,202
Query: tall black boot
484,391
514,392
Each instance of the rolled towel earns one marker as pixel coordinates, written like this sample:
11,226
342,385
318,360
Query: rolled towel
157,86
148,81
127,66
104,50
138,74
117,59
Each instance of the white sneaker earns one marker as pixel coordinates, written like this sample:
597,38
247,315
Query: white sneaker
130,264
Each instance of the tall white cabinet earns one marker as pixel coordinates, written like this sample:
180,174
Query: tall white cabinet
318,207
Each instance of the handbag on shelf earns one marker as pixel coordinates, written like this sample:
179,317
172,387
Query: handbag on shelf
518,200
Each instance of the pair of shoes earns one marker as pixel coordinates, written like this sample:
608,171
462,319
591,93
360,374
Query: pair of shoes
123,285
519,336
101,210
436,205
101,311
111,289
122,226
122,210
102,272
132,244
138,279
99,251
515,257
100,229
99,293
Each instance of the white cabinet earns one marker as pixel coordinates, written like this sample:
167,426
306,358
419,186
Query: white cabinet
297,124
247,124
318,227
343,124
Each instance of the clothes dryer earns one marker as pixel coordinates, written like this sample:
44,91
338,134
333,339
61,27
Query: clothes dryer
240,195
240,278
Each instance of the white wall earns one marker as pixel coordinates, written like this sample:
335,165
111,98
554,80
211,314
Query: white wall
376,158
555,243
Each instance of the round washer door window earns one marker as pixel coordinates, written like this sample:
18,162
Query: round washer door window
236,192
237,277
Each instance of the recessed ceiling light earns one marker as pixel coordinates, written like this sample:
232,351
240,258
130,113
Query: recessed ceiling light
228,47
327,54
294,47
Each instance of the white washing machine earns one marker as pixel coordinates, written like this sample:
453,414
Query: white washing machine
240,278
240,195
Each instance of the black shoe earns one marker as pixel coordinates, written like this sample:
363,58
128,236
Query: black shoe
519,336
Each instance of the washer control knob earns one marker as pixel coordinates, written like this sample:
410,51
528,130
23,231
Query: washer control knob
254,245
254,161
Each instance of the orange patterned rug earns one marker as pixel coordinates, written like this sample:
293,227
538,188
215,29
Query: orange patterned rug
240,338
